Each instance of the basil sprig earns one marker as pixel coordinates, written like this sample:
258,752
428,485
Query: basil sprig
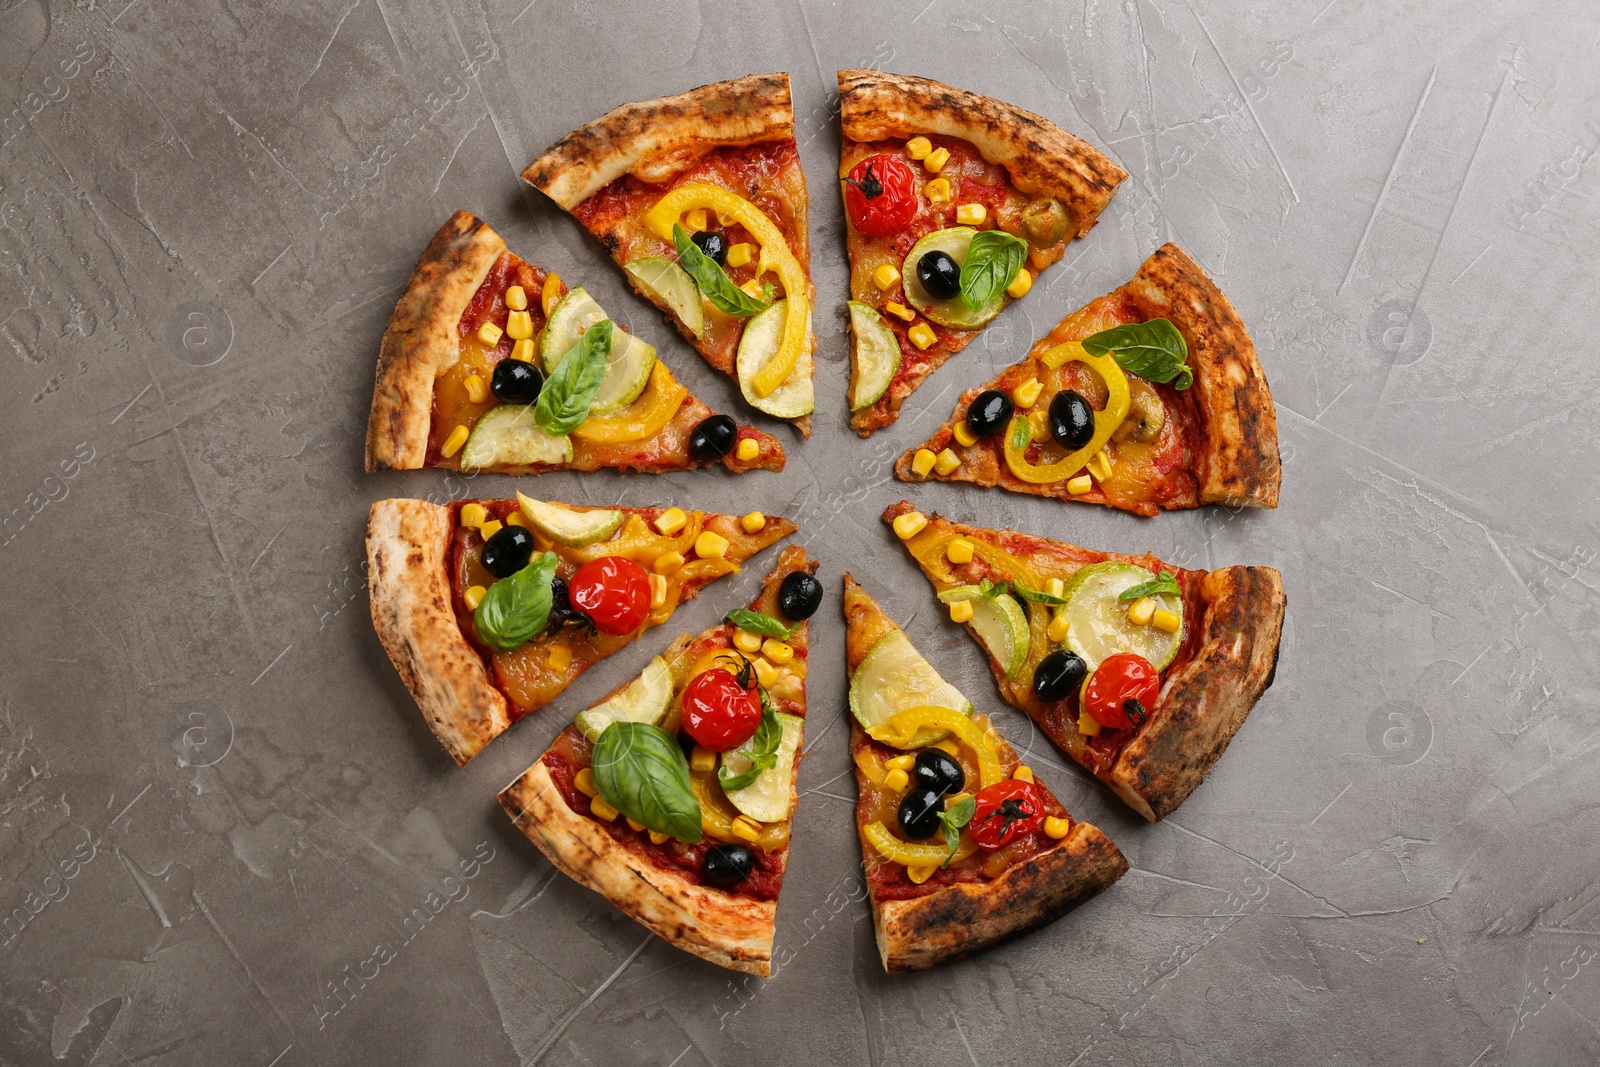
1037,596
515,609
757,622
1021,434
1153,350
761,750
713,281
952,819
1166,583
565,400
992,262
640,770
989,590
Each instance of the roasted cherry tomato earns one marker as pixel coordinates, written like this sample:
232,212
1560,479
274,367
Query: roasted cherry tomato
881,195
613,591
720,711
1122,691
1005,811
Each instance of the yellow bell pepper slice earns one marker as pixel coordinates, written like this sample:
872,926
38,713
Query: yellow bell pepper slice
892,848
717,815
871,769
645,417
905,725
1105,421
929,549
774,253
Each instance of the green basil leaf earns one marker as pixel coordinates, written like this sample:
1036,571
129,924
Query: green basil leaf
992,262
953,819
1021,434
1153,350
565,399
515,609
1166,583
760,623
761,749
1037,596
713,281
640,770
990,590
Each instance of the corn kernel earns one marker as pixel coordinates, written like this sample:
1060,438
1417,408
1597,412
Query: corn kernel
1058,629
922,335
938,191
658,590
1140,610
584,782
1023,773
1027,394
788,687
896,780
1099,465
1039,424
922,462
971,214
919,147
453,443
740,254
703,760
658,838
754,522
752,288
766,673
959,551
1088,726
964,435
474,514
945,463
936,160
1020,284
1055,586
745,828
553,291
668,563
899,311
695,220
725,219
710,545
1166,621
635,826
476,390
961,611
670,521
515,519
523,350
1056,827
885,276
948,746
747,642
1079,485
900,763
519,325
600,809
922,872
490,334
909,525
779,652
490,528
516,298
559,658
746,452
474,596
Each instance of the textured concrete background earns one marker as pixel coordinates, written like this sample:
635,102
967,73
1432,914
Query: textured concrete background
217,801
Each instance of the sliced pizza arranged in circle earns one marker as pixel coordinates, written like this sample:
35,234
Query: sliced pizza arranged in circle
964,848
1147,398
701,201
491,363
954,203
674,796
489,609
1139,670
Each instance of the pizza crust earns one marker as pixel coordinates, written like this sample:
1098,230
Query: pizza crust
655,139
968,917
1041,157
407,545
422,339
1204,703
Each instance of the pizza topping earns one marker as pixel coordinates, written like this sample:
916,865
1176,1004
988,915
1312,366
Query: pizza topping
761,345
645,417
713,245
936,769
762,770
713,438
1058,675
721,710
906,728
880,195
1071,420
989,413
919,811
1153,350
667,283
954,310
711,279
645,699
876,351
568,526
939,275
894,677
1044,220
507,551
1106,421
514,382
799,596
1005,811
1122,691
614,592
993,259
515,609
640,770
1099,622
1146,414
727,865
997,619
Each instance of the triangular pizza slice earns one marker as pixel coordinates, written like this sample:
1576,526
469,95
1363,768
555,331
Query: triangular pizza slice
700,199
1148,398
1139,670
489,609
964,847
954,203
491,363
674,796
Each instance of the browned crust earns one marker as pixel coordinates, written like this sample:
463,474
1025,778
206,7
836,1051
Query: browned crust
1238,460
1204,703
655,139
968,917
1040,156
421,340
407,543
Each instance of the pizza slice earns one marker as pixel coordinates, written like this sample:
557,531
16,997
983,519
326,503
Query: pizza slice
489,609
954,203
674,796
700,199
1139,670
964,848
491,363
1147,398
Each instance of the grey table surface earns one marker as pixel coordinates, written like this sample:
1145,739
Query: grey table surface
218,804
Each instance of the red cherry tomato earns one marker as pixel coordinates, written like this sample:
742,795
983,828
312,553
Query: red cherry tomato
614,592
718,711
881,195
1004,811
1122,691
